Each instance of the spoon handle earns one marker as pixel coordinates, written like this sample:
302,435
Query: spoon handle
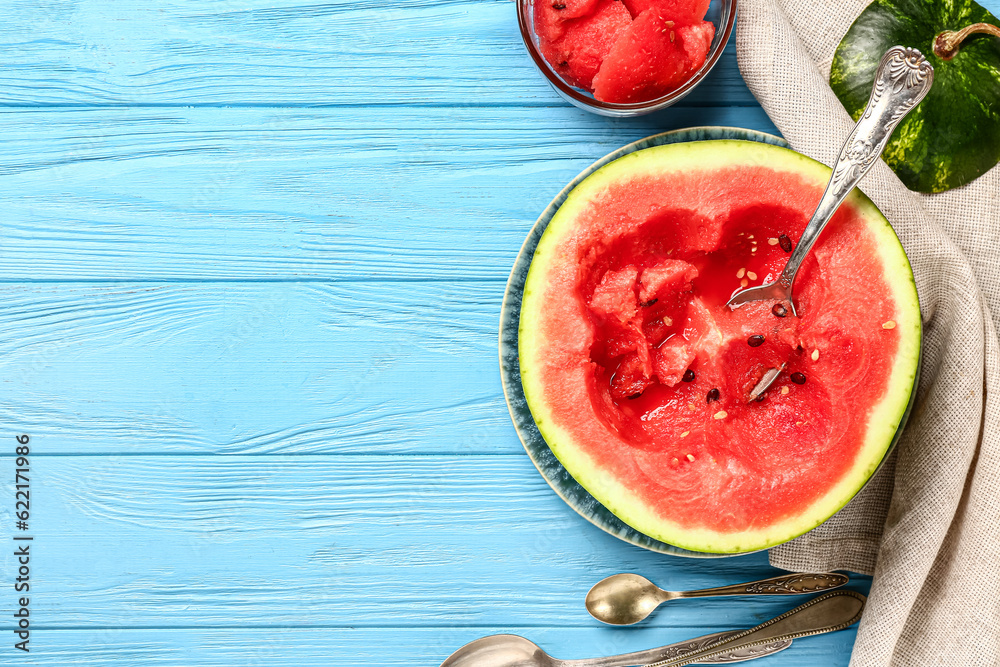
788,584
736,654
903,78
827,613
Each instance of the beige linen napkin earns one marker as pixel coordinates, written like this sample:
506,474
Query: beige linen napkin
928,527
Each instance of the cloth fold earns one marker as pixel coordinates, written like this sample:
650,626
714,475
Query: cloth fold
928,526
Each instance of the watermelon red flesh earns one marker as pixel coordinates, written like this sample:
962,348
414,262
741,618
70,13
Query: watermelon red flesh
550,16
583,43
572,9
764,471
652,57
679,11
721,358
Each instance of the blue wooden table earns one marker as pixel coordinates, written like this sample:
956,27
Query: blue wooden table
252,256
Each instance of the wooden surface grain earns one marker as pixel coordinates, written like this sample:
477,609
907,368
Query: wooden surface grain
287,53
355,541
400,193
252,254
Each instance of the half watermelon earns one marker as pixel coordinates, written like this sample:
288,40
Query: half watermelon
639,377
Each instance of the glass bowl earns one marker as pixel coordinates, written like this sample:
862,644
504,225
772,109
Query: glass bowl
721,12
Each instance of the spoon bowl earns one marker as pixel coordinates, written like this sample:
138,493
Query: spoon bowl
499,651
515,651
624,599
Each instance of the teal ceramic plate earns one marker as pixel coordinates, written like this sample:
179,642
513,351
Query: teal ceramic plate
543,458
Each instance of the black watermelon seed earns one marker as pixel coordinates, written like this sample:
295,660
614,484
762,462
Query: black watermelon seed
688,375
633,396
759,398
755,340
647,304
785,242
799,378
713,395
558,5
779,310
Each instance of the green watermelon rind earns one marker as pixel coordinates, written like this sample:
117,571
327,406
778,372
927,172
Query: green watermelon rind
885,421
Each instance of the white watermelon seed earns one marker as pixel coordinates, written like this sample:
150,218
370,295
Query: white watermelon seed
889,325
784,390
751,275
685,434
690,457
772,241
741,273
815,355
721,414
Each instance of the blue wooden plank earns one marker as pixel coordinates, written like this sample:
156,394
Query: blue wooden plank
349,647
286,194
255,368
282,53
334,541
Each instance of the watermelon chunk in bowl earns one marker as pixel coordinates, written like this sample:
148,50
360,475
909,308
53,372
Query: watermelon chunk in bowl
652,55
648,433
570,40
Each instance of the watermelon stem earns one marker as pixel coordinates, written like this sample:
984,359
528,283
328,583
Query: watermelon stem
947,43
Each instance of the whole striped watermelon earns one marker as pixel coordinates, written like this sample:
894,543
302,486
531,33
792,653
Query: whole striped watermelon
953,135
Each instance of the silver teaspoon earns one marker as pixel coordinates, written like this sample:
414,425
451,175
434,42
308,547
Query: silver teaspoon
624,599
903,78
515,651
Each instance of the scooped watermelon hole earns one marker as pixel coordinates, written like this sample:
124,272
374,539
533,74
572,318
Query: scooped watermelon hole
671,362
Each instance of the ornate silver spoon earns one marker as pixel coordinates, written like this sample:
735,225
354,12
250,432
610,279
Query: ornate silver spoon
903,78
827,613
625,599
